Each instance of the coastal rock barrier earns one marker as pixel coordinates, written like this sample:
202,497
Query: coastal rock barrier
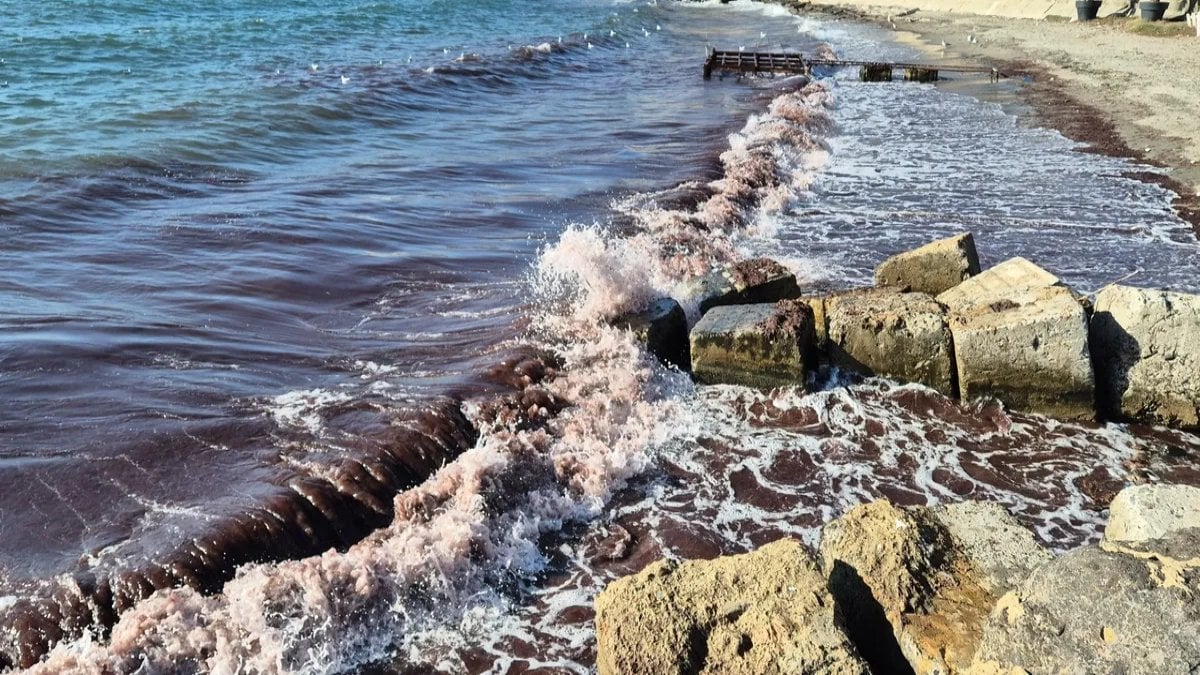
960,588
1014,332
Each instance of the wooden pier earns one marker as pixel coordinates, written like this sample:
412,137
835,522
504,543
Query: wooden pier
742,62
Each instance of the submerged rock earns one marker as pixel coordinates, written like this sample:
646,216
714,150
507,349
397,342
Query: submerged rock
1030,350
916,584
754,281
933,268
662,329
1146,345
765,612
764,345
903,336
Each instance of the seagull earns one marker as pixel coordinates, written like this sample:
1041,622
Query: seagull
762,35
626,45
657,27
345,80
944,45
645,32
560,39
971,38
313,67
585,36
589,45
742,48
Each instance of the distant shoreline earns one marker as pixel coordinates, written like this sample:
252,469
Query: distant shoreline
1121,92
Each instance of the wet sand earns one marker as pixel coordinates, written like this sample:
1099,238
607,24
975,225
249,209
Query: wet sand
1120,92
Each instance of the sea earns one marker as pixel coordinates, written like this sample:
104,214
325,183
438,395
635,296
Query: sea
306,355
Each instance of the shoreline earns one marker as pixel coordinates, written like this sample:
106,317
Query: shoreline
1096,84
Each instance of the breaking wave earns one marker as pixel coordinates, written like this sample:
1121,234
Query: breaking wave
580,421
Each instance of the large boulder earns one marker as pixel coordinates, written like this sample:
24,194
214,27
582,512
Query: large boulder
764,345
916,584
1127,606
749,282
1101,611
1146,345
1147,512
933,268
662,329
903,336
1011,280
763,612
1030,350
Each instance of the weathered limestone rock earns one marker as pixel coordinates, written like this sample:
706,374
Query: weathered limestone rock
933,268
1147,512
1101,611
763,612
926,577
1030,351
1011,280
748,282
1146,344
898,335
765,345
662,329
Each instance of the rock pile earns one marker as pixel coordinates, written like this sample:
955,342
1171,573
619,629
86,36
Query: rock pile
946,589
1014,332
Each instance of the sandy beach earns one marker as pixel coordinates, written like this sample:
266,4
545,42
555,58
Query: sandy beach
1121,86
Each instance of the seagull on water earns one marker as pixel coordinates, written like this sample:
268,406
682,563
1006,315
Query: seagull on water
345,80
612,33
589,45
657,27
313,67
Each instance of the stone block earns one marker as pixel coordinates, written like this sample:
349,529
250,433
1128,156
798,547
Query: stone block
933,268
763,345
916,584
763,612
1031,353
755,281
1100,611
1011,280
662,329
1147,512
903,336
1146,346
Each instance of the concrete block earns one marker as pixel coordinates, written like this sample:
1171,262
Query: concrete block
1031,353
1013,279
904,336
748,282
933,268
662,329
761,345
1146,345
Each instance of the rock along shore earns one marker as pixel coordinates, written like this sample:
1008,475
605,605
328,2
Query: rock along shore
960,588
1014,332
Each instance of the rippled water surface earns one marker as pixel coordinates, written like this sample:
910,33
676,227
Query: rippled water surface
281,278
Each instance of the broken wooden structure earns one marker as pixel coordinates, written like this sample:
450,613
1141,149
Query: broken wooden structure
790,63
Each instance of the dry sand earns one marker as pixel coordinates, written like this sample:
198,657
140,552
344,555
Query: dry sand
1098,82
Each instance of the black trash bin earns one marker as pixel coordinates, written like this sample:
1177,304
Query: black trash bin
1086,10
1153,11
